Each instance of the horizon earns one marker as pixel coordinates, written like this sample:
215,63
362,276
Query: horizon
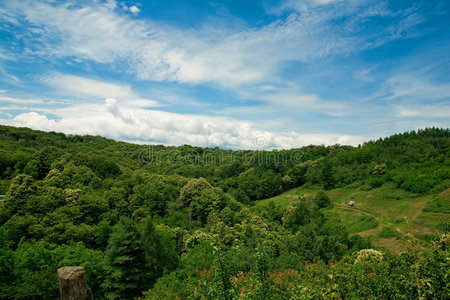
255,149
237,75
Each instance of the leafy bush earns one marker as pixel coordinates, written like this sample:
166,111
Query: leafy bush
368,274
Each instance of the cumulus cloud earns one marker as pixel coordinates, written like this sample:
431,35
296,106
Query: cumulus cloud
122,122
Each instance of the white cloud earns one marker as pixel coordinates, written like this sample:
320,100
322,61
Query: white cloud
304,101
424,111
134,9
237,58
321,2
365,74
122,122
76,86
92,32
416,86
302,5
14,107
228,57
403,112
142,103
19,100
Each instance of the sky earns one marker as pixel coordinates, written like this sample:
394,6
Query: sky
233,74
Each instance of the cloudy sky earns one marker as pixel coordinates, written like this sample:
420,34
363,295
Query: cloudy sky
237,74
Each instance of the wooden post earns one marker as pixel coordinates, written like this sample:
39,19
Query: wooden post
73,284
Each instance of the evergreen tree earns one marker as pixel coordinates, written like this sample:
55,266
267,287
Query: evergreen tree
125,262
151,245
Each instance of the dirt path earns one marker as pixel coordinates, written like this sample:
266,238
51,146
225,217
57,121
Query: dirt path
354,208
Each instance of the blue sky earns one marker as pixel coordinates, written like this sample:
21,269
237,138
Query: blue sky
233,74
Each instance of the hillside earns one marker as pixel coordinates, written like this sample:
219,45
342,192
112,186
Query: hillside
379,213
204,222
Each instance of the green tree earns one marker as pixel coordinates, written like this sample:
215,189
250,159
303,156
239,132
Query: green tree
35,272
194,188
6,264
21,189
125,264
40,165
297,174
326,175
322,200
201,198
298,215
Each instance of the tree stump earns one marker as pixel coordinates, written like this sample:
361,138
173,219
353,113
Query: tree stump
73,284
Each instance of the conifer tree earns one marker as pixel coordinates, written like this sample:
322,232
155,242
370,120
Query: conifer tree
125,274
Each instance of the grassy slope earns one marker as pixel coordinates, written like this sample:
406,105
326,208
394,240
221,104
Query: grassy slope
378,213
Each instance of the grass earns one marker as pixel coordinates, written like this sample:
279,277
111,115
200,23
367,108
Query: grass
388,232
363,223
379,214
438,205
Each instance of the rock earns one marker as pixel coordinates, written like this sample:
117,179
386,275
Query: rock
73,284
351,203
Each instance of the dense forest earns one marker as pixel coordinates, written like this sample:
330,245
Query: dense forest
187,222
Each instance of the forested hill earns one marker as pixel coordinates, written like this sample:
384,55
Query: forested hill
415,161
192,222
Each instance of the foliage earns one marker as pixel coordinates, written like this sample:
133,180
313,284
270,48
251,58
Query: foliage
438,205
322,200
368,274
185,221
125,262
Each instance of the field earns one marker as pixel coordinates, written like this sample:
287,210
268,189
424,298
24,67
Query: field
379,214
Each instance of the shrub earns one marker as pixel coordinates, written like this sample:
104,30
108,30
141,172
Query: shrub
368,255
439,205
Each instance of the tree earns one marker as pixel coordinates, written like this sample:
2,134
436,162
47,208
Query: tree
6,264
194,188
297,174
201,198
147,195
326,175
21,189
40,165
298,215
125,264
322,200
